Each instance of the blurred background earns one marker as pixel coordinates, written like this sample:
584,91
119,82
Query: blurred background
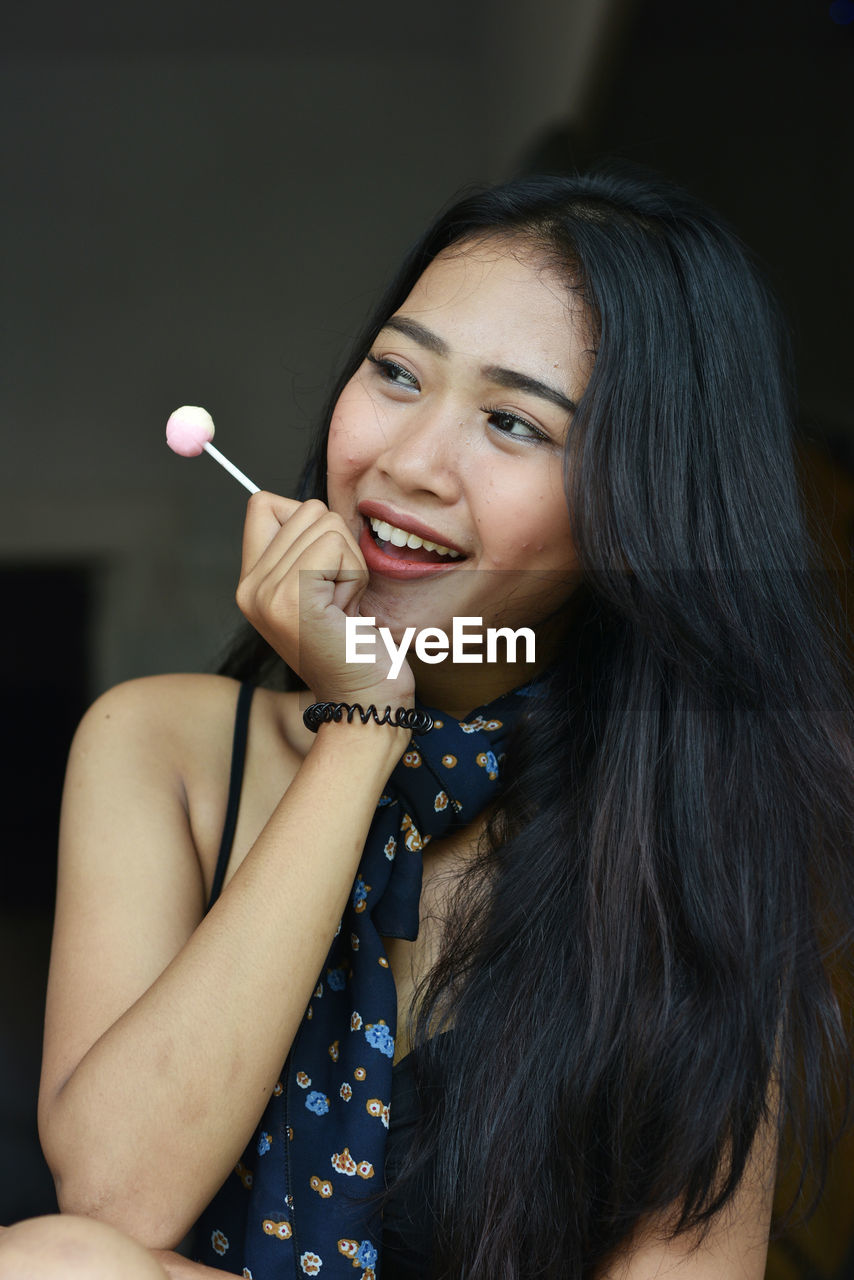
204,198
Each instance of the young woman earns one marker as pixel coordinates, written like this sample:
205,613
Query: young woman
537,991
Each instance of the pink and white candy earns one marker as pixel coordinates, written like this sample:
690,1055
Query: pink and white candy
190,430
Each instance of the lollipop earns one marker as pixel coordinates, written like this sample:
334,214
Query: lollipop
190,430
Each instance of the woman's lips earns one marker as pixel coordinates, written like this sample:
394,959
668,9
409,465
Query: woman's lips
399,562
369,509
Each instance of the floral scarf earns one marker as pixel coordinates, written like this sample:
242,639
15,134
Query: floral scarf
303,1196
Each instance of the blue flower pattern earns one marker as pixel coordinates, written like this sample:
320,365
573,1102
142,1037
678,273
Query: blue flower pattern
336,979
360,893
367,1254
379,1037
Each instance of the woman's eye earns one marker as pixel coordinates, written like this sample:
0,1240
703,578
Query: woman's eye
511,425
393,372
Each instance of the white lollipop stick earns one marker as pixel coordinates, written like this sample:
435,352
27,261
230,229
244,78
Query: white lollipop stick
190,430
229,466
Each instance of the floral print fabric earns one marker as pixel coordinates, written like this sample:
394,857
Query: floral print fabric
302,1199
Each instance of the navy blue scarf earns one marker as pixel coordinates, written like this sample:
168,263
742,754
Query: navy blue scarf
302,1200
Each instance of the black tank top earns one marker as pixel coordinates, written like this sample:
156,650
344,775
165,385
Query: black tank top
407,1238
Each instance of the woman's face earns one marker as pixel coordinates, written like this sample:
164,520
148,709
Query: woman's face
453,431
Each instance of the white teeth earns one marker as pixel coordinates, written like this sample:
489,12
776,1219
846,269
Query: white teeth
400,538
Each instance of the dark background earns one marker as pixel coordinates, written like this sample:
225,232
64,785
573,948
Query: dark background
203,199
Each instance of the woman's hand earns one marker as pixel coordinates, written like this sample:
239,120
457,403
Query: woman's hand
302,575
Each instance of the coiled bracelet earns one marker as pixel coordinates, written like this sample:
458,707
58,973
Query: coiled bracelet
403,718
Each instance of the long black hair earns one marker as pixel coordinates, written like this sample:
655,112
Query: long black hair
633,973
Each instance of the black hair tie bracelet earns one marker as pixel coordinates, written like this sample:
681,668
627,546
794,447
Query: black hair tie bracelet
403,718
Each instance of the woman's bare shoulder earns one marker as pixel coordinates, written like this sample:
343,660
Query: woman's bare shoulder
181,706
174,734
184,710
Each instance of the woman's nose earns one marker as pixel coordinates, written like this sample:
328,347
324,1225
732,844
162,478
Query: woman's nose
423,452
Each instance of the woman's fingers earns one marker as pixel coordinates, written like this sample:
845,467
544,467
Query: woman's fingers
312,547
276,534
299,604
325,548
303,574
319,570
302,571
266,515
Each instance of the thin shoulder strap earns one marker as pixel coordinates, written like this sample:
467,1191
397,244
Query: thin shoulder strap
235,784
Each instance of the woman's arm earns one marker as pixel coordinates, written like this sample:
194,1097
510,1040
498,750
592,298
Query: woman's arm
166,1031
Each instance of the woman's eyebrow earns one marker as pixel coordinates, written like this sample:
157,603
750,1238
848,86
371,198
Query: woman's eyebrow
515,381
424,337
509,378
